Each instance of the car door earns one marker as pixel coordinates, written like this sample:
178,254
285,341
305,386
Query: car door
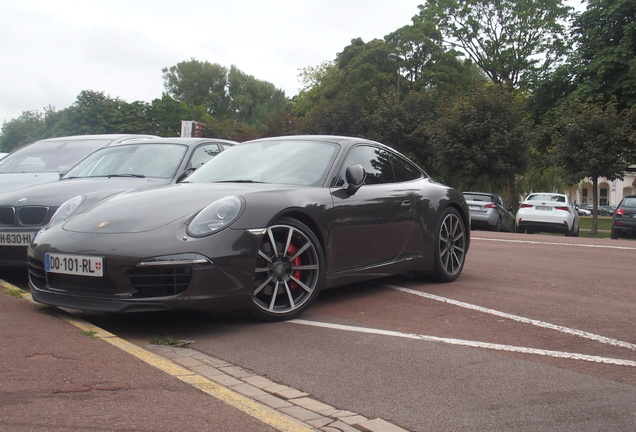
372,225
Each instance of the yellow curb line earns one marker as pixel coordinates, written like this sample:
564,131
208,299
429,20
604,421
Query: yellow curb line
248,406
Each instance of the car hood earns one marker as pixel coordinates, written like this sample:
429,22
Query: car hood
146,210
13,181
53,194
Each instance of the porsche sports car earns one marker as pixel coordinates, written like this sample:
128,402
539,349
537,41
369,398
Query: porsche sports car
263,227
43,161
548,212
120,166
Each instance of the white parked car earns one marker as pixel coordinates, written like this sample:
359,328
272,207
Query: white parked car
548,212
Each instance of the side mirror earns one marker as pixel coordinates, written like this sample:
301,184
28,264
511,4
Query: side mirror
185,174
355,176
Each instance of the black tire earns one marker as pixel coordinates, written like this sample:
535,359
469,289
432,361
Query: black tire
614,235
520,230
572,233
289,271
497,227
450,246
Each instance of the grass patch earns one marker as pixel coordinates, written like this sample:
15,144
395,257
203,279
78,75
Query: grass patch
169,341
603,222
90,333
603,227
13,292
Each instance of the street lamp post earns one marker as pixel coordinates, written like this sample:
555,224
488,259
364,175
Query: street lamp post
397,58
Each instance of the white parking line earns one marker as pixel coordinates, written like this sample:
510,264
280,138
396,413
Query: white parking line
574,332
555,243
474,344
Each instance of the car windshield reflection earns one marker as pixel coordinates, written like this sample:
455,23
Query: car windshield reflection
303,163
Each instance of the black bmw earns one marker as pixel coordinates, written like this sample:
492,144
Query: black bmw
264,227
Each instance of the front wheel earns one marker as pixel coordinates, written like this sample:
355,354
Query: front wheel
289,271
450,246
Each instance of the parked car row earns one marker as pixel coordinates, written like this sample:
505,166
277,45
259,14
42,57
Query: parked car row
539,212
261,226
120,165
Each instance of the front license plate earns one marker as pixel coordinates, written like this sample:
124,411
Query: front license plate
543,208
16,238
80,265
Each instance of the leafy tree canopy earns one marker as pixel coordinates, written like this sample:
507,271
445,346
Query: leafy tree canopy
512,41
606,33
593,140
225,94
27,128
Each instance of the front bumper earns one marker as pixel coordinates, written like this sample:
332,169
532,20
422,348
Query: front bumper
226,283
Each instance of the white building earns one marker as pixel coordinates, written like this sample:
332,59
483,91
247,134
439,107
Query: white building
609,192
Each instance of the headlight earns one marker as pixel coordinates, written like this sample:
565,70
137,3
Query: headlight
66,210
216,216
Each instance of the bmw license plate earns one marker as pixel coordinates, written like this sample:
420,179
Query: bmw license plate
547,208
79,265
16,238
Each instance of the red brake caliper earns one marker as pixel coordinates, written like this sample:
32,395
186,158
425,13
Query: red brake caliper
291,250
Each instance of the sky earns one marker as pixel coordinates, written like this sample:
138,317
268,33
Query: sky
53,50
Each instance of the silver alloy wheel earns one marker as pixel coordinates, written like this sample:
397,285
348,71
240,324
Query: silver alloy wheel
288,272
451,246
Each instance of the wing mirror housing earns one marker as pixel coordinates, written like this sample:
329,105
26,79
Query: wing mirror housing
184,175
355,176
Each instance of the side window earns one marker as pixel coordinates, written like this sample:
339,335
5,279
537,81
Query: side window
375,161
203,154
405,171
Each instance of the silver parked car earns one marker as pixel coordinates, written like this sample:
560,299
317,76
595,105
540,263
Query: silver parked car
42,161
489,211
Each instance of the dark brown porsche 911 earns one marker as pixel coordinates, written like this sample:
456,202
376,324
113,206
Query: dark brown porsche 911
262,227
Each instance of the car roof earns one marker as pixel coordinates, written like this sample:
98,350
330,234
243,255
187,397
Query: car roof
176,140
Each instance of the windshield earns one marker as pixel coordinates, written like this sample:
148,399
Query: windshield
280,162
546,197
147,160
49,155
478,197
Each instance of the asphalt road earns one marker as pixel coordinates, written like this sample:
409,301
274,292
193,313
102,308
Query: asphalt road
538,334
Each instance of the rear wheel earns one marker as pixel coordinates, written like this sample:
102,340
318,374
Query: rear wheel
289,271
450,246
497,226
614,234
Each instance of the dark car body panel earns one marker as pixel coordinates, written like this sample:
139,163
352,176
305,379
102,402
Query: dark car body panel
377,231
624,218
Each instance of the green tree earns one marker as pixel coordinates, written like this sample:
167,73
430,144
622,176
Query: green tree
606,33
29,127
252,101
199,83
167,113
593,140
225,94
482,140
95,113
427,63
512,41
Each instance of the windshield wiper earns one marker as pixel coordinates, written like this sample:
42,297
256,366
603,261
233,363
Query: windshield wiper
126,175
238,181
